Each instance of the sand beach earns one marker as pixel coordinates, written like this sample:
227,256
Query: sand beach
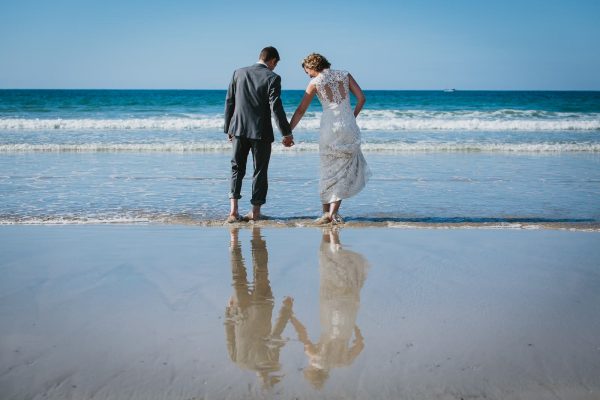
184,312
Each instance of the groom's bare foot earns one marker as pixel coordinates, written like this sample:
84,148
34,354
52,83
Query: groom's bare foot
254,215
234,216
251,216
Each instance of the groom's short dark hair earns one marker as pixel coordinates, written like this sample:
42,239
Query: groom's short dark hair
269,53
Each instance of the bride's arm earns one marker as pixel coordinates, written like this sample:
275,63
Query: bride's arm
360,96
311,90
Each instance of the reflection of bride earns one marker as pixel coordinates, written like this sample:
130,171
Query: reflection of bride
343,273
251,342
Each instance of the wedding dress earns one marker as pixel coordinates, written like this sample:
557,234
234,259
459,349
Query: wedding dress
344,170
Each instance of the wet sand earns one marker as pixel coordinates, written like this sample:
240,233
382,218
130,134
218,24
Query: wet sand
188,312
386,222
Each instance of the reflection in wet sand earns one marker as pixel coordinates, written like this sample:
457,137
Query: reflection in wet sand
253,343
342,275
114,312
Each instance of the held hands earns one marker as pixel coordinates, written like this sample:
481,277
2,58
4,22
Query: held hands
288,302
288,141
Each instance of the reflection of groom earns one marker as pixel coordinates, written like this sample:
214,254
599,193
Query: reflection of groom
251,342
253,96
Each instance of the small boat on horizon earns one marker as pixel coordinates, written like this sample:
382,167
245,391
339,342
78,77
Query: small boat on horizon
449,90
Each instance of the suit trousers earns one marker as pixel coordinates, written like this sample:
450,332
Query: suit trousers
261,154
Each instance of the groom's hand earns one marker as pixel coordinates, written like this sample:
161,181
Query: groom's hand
288,141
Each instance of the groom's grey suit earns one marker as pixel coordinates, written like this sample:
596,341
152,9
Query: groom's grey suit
253,96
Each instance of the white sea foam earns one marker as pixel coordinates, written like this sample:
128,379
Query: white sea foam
85,124
175,147
224,146
384,120
58,220
481,147
477,121
291,223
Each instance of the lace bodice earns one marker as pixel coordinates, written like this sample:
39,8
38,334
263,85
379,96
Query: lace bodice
333,87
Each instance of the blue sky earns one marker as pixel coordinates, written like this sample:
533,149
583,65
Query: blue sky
385,44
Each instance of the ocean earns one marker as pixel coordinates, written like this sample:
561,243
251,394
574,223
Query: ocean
500,158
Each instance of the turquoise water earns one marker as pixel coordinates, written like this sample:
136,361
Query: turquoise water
134,156
124,103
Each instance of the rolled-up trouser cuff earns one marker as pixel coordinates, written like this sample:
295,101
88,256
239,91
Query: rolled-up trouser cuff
233,196
257,202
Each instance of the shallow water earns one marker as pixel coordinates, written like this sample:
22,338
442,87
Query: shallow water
107,156
439,188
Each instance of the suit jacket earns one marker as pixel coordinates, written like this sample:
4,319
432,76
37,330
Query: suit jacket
254,95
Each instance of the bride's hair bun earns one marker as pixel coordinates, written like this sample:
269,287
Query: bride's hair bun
315,61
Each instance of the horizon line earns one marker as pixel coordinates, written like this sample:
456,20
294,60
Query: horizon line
302,89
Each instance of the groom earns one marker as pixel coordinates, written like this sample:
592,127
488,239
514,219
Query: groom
253,96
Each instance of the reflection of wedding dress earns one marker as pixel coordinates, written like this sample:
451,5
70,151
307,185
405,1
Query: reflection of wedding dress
344,170
343,273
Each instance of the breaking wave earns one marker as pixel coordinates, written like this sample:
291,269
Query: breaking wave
224,146
383,120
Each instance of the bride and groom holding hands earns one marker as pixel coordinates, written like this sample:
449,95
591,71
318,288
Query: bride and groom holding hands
254,98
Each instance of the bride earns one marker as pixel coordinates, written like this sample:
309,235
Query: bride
344,170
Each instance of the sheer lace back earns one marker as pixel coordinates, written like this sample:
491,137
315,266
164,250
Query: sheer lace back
344,170
332,87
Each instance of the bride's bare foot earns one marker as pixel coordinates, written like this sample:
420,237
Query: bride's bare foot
233,218
337,219
323,219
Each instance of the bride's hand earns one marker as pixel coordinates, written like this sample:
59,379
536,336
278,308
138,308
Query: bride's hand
288,141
